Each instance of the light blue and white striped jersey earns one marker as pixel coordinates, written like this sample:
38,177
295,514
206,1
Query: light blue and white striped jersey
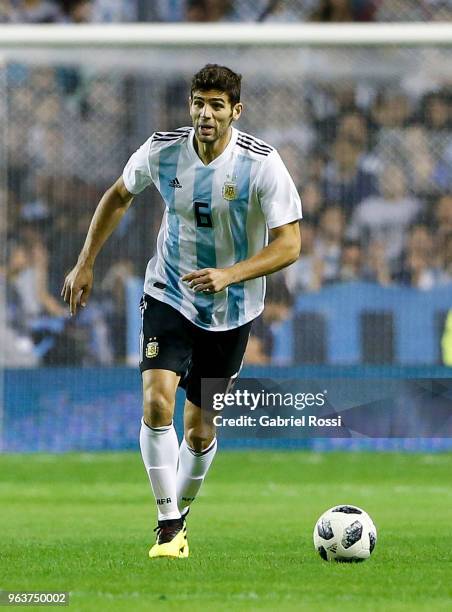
215,215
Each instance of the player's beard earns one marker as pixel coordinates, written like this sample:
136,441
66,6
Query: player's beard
216,133
210,136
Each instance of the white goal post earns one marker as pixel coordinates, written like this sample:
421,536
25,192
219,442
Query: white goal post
222,34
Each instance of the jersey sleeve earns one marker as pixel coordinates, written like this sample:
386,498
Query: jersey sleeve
137,172
277,193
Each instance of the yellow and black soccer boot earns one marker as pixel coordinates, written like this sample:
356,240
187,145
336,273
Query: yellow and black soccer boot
171,540
184,529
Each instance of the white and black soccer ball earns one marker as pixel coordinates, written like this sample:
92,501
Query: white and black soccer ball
345,533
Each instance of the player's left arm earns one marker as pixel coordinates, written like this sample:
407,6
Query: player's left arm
281,252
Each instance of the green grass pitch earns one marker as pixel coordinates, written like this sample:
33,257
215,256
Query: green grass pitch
83,523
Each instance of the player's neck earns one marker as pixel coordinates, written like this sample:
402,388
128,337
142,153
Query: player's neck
208,151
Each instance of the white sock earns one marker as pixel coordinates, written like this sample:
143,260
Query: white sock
160,449
193,467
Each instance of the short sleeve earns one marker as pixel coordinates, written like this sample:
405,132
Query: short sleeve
277,193
137,173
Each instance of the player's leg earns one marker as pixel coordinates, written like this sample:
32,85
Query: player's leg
166,349
196,453
160,450
158,439
216,355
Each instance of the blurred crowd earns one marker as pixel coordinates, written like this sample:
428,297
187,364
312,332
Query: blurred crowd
377,201
85,11
373,167
66,141
68,11
375,182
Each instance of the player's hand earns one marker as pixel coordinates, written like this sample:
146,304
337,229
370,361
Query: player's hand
208,280
77,287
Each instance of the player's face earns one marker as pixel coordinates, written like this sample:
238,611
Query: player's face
212,114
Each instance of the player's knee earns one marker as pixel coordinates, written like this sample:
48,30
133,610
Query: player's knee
157,408
199,439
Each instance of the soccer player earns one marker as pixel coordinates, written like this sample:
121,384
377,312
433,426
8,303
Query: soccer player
223,189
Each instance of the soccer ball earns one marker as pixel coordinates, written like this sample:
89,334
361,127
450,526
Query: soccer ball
345,533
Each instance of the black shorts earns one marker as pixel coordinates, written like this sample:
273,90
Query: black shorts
169,341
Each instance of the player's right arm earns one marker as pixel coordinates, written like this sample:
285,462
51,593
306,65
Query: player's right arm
109,212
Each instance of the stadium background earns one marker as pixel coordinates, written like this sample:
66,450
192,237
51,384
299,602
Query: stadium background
365,133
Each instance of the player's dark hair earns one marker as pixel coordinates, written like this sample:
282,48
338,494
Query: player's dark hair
213,76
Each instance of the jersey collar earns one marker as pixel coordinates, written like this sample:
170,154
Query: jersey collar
218,160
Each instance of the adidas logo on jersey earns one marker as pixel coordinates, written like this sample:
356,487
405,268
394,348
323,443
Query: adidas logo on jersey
175,183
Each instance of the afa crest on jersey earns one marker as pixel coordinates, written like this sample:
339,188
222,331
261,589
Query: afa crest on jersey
152,348
230,190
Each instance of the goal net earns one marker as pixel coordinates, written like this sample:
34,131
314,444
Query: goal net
360,115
